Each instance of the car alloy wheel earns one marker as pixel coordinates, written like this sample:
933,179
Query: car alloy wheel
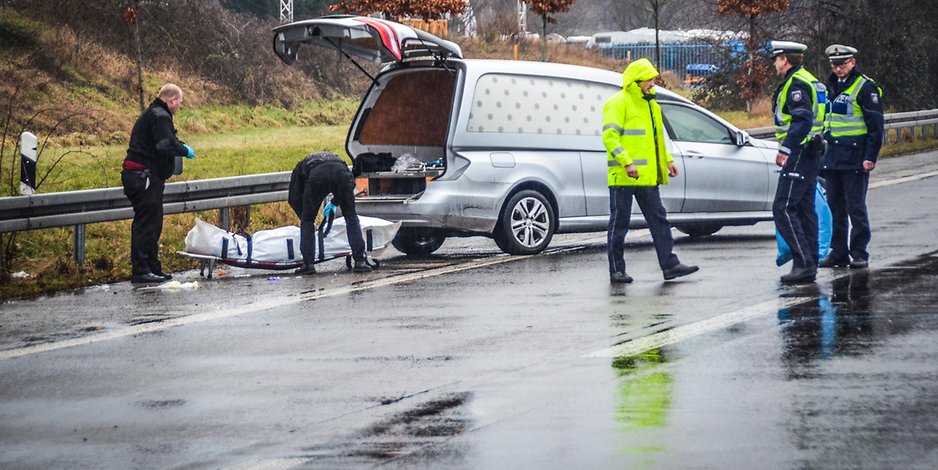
527,224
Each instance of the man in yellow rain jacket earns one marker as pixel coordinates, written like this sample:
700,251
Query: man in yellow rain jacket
638,161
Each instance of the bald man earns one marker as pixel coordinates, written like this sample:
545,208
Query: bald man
150,161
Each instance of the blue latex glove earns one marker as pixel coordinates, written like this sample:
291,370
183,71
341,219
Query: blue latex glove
329,210
190,153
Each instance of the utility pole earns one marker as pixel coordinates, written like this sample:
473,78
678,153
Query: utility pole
657,41
522,18
286,11
130,16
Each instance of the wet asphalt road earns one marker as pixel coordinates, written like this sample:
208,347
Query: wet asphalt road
476,360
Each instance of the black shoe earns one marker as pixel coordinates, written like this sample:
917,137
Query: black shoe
831,262
680,270
148,278
307,268
799,275
859,263
362,267
619,278
166,277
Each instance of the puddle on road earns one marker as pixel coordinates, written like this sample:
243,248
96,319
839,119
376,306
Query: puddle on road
861,309
855,365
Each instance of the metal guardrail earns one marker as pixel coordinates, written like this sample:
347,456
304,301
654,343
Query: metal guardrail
895,121
37,211
77,208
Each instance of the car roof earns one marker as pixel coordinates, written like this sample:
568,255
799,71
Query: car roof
480,67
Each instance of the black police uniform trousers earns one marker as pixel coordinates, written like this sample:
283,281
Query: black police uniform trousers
329,177
620,215
846,195
147,201
793,207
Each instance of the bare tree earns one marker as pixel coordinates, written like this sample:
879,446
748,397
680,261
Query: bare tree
426,9
756,75
547,10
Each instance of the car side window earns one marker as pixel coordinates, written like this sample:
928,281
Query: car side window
689,125
529,104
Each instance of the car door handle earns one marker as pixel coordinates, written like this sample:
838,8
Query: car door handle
691,153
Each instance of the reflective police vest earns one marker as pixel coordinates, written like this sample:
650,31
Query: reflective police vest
818,99
844,114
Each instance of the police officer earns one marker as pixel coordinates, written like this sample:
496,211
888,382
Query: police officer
799,106
854,136
638,161
150,160
312,179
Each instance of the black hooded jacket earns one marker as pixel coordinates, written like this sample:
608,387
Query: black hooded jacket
153,141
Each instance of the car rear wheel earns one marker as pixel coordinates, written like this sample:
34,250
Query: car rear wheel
526,224
699,230
418,242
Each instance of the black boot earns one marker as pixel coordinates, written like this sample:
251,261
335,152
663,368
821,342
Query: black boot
362,267
307,268
800,275
678,271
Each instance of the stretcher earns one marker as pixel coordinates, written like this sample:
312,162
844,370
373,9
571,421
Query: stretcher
278,249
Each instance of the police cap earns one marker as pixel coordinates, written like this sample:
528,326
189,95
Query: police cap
838,53
785,47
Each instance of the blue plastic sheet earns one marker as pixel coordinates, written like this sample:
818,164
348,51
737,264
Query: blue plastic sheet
824,222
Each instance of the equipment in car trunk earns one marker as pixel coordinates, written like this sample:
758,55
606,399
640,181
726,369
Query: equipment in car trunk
372,162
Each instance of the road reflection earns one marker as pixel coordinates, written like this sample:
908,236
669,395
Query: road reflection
839,322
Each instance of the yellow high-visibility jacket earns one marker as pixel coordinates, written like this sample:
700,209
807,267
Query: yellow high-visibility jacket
633,131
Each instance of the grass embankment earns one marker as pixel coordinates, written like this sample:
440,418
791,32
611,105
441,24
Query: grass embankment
229,144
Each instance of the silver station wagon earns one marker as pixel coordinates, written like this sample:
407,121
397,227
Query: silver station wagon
512,149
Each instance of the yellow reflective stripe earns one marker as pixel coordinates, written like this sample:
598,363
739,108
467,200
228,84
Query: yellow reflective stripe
848,129
846,118
638,162
633,132
617,151
614,127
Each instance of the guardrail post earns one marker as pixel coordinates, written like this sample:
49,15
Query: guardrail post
78,244
223,218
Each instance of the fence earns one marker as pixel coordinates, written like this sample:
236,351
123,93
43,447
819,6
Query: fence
77,208
674,57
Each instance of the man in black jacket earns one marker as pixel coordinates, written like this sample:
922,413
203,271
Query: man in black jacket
854,136
312,179
150,161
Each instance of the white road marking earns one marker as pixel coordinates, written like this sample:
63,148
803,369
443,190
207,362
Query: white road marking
265,304
272,303
904,179
664,338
